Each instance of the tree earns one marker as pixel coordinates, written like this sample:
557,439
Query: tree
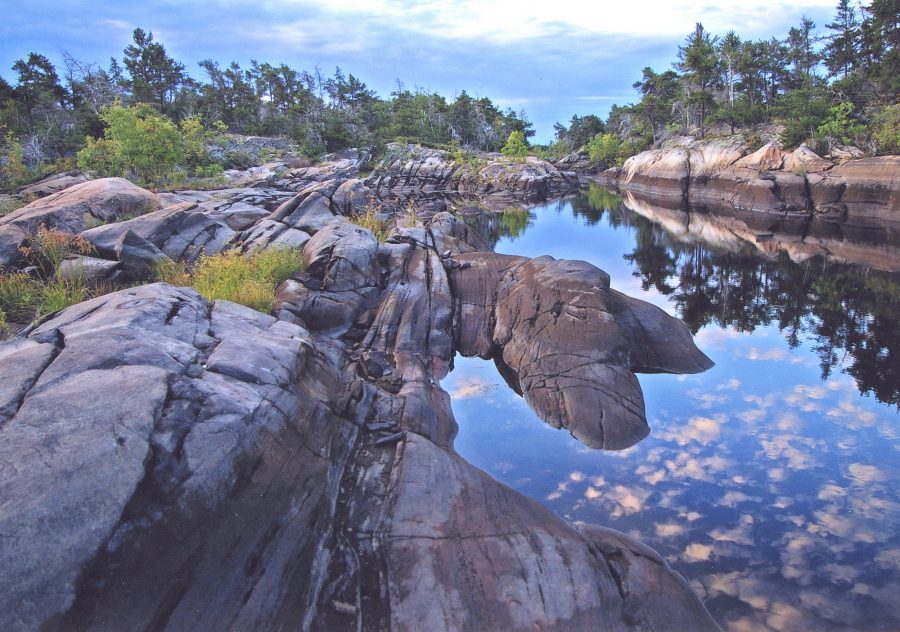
155,77
516,145
658,92
697,60
729,50
800,51
841,51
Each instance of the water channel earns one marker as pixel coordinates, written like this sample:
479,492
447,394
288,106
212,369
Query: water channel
770,481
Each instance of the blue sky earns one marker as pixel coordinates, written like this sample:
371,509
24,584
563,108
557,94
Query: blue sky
552,59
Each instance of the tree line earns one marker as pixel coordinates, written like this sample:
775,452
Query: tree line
45,117
840,85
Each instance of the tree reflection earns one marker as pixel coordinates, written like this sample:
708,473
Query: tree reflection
848,313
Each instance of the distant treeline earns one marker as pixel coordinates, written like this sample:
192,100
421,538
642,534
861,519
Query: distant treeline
837,86
49,116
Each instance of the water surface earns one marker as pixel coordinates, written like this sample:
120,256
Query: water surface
769,481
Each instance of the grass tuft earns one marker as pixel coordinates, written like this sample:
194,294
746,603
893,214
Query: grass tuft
249,280
370,220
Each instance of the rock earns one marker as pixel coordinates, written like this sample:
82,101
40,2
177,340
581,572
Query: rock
166,463
769,157
411,171
714,175
341,277
72,210
139,259
868,188
53,184
660,172
90,270
568,343
804,160
182,232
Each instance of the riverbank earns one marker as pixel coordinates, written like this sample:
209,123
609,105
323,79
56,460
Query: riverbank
172,463
724,174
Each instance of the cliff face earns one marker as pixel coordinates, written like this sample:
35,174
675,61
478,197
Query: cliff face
723,173
167,463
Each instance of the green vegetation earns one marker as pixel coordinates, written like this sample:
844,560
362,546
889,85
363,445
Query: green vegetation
148,147
24,297
369,219
147,119
516,145
246,279
604,148
840,86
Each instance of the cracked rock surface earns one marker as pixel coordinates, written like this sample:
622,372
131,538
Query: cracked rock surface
171,464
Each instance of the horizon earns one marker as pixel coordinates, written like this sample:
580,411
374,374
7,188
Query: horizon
550,64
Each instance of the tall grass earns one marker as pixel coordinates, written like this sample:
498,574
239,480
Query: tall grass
369,219
249,280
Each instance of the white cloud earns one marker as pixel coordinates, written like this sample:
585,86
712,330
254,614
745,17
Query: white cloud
519,20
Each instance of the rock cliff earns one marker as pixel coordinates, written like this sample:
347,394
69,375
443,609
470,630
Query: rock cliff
724,174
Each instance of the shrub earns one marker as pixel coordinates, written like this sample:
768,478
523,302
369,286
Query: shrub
516,146
142,144
20,295
839,126
176,273
60,293
886,133
48,247
9,203
15,172
604,148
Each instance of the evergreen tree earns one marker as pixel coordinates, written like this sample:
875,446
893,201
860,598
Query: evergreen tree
697,60
841,51
155,78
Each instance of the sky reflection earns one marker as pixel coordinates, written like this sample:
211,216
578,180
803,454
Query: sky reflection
770,489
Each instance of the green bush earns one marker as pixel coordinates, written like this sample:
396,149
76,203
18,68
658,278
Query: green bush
60,293
144,144
47,248
840,126
515,146
604,148
886,132
369,219
20,296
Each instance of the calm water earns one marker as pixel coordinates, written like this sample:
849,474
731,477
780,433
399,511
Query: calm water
770,481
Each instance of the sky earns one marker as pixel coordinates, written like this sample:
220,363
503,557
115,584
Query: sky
550,59
770,489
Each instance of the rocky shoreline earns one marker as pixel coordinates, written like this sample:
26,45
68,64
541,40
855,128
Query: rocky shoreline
167,463
725,176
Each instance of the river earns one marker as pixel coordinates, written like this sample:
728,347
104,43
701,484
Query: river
770,481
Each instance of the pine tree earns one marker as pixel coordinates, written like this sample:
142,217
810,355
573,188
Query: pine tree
841,51
155,77
697,60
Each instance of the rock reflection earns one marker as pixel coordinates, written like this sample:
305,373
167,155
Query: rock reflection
724,271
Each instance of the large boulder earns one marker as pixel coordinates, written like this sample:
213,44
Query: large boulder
567,342
74,209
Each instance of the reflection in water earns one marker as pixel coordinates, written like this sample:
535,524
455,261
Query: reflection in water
769,481
851,313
